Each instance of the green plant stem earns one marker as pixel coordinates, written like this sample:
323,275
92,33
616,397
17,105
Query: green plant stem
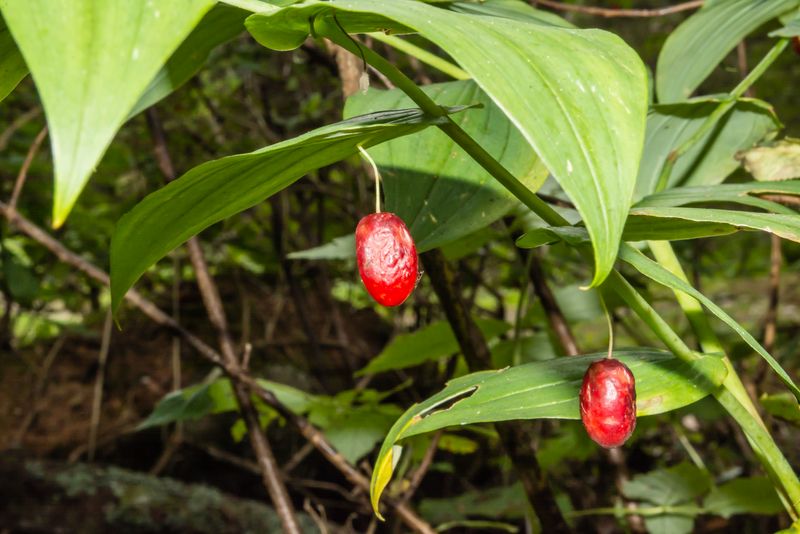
665,255
423,55
722,109
774,462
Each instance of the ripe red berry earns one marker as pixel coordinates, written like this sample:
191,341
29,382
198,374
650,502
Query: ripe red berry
608,402
387,258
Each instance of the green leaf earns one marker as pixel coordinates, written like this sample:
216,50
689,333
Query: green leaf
713,157
12,66
340,248
745,194
781,405
785,226
780,161
431,343
579,97
510,9
430,183
791,28
657,273
356,432
196,402
674,485
91,61
220,188
755,495
506,502
220,25
546,390
698,45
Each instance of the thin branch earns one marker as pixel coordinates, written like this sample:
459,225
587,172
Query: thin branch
38,391
26,165
619,13
18,123
97,398
209,292
422,470
553,311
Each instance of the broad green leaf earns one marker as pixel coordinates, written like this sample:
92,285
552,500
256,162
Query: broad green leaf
579,97
713,157
12,66
91,61
782,405
637,228
546,390
196,402
754,495
657,273
438,190
674,485
678,485
785,226
510,9
791,27
431,343
506,502
703,40
356,432
220,25
340,248
220,188
780,161
745,194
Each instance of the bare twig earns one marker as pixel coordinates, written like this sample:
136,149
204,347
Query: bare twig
776,257
97,398
551,308
216,315
18,123
516,436
309,432
615,13
422,470
38,390
26,165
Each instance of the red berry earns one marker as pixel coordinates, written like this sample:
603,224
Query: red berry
387,258
608,402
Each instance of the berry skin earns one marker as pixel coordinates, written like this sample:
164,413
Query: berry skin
608,402
387,258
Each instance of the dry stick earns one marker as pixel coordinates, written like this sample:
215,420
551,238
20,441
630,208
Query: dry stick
39,389
554,315
614,13
97,397
306,429
516,436
209,292
425,464
26,165
18,123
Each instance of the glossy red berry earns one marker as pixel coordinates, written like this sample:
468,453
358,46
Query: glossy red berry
387,258
608,402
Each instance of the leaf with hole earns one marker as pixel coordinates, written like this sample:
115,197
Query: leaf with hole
579,97
220,188
91,61
545,390
430,183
